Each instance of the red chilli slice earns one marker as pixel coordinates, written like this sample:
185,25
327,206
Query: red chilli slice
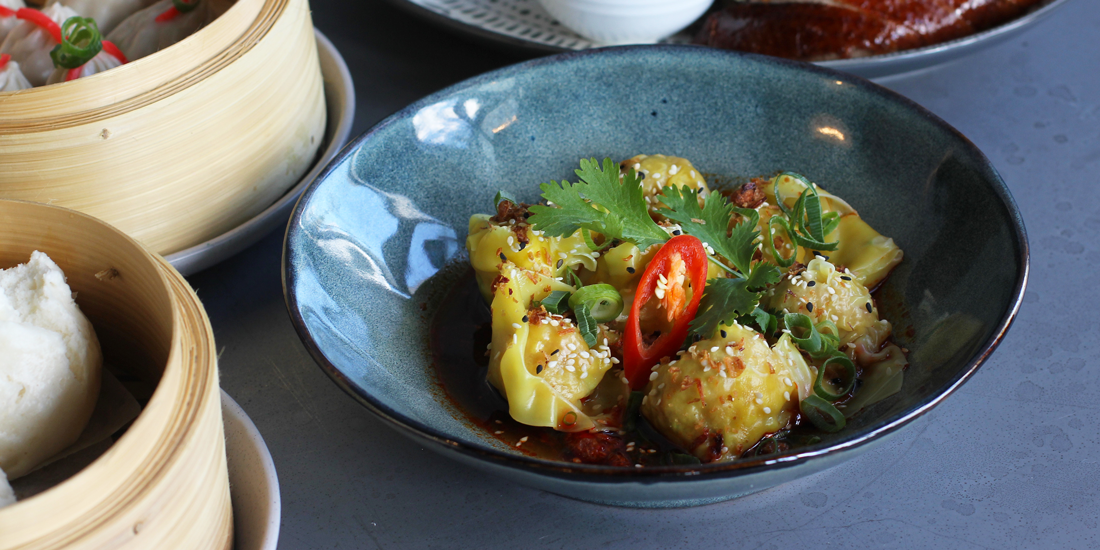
4,58
6,12
112,50
42,20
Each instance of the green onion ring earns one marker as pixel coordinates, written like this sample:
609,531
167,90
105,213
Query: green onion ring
557,302
779,259
822,414
80,42
812,342
849,380
603,301
591,243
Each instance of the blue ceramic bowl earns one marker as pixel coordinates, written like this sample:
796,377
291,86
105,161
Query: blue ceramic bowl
377,243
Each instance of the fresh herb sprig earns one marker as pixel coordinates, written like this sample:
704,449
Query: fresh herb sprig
600,202
727,299
711,224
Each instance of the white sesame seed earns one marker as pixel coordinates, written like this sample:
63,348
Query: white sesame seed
787,395
585,355
714,349
571,368
515,338
831,291
572,347
652,376
767,410
584,375
659,293
788,382
729,350
759,401
517,325
637,166
498,432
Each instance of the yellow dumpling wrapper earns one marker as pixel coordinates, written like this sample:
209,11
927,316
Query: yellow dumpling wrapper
723,395
541,364
548,256
822,293
865,252
661,171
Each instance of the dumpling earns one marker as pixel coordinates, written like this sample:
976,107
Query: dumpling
867,254
8,20
491,243
108,56
106,13
11,78
160,25
723,395
828,295
540,362
660,171
30,42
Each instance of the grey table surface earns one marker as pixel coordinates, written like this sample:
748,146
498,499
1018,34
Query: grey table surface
1012,460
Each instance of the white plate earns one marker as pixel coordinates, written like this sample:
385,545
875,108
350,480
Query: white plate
525,25
253,483
340,100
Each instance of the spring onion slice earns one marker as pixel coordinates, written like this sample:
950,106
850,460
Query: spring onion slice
811,341
80,42
822,414
502,196
603,301
779,259
557,302
848,380
586,325
592,243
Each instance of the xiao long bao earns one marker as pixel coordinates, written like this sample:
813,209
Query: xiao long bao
70,39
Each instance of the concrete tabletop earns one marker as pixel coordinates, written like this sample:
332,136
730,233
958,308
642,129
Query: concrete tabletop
1012,460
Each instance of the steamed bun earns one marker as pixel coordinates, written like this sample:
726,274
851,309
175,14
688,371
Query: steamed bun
49,365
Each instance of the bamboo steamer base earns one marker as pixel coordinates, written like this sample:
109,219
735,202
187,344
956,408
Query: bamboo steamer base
164,483
180,146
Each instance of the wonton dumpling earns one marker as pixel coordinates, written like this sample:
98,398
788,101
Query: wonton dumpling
49,365
548,256
721,396
107,13
30,45
825,294
543,387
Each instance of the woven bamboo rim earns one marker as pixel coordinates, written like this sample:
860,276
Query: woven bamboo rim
180,146
164,483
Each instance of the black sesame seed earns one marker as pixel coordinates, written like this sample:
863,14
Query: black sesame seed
522,246
630,270
526,215
869,308
524,318
555,352
846,278
777,334
809,306
503,258
676,232
811,283
723,333
560,262
641,175
538,369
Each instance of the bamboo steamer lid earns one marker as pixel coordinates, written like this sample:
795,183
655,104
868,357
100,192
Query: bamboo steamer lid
164,483
180,146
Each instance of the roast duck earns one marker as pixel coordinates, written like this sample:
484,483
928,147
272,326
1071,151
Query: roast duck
815,30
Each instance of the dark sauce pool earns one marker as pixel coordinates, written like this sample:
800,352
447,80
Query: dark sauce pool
460,335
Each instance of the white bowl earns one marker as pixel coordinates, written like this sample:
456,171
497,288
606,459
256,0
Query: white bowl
624,21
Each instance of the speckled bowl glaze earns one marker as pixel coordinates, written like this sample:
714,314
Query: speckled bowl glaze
378,241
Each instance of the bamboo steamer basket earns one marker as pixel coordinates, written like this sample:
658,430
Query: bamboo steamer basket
164,483
182,145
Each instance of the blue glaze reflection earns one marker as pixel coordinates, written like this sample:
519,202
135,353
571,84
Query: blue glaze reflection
441,124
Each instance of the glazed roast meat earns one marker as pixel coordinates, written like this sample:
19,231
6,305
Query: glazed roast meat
816,30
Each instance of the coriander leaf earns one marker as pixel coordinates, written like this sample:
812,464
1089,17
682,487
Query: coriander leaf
599,202
724,300
711,222
587,326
